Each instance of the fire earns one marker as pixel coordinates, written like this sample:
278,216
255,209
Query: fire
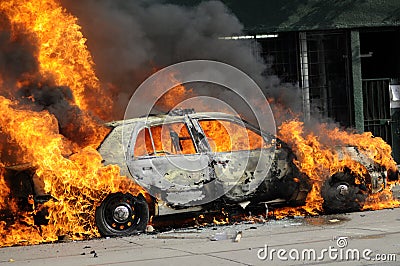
313,160
168,92
4,189
321,159
61,50
227,136
77,183
62,153
174,96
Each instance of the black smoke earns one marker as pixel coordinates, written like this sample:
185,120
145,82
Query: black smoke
18,57
129,40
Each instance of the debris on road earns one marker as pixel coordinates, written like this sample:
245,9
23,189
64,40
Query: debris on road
149,229
94,253
238,236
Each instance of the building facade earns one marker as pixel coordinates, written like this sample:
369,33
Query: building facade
344,55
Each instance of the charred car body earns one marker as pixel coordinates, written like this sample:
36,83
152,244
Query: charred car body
196,162
205,161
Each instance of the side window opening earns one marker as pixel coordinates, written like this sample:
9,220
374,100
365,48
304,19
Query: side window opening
144,144
163,140
225,136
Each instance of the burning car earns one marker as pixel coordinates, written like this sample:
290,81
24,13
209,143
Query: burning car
203,162
194,162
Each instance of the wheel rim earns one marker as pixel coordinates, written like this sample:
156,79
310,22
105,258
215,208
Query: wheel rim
120,213
342,191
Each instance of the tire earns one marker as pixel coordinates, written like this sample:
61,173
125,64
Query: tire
341,194
303,187
122,214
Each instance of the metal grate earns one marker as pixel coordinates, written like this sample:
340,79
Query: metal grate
280,53
377,108
330,93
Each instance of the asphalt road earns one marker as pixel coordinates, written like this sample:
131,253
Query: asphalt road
365,238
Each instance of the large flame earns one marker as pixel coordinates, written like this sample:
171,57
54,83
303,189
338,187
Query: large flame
72,171
62,51
77,183
320,159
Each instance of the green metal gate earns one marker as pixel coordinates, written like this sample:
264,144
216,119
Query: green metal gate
377,108
377,117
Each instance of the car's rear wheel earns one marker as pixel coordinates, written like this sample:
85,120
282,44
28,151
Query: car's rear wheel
342,194
122,214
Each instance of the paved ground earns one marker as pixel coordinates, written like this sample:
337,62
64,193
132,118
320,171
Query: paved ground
371,233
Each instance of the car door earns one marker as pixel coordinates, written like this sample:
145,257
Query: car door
168,163
241,156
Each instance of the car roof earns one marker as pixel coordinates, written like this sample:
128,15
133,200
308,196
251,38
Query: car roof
160,118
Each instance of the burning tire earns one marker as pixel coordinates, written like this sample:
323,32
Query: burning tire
342,194
122,214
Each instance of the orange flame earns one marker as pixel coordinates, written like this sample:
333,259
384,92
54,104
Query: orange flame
4,189
77,182
62,51
321,160
174,96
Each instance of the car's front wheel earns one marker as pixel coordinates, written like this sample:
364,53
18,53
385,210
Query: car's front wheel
342,194
122,214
